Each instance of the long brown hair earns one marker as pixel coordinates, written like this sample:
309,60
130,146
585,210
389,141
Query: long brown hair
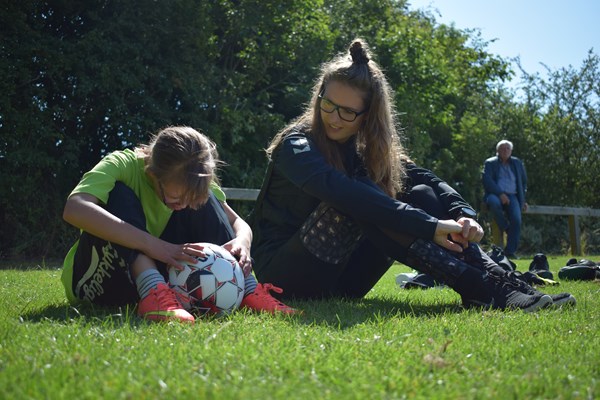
378,138
184,156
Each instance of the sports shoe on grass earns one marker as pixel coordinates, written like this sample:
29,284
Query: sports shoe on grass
563,299
261,300
560,299
161,304
505,293
539,266
584,270
422,281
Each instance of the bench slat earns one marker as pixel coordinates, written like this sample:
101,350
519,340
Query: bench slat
556,210
241,194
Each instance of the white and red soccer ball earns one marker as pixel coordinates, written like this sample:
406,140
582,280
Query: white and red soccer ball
213,285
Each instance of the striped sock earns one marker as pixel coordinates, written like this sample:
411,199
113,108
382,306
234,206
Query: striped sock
149,279
249,285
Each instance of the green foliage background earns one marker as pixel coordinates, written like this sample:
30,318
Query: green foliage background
80,79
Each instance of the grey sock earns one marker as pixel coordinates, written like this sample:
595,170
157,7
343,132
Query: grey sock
249,285
149,279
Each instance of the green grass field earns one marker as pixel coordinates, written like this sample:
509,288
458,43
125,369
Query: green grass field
393,344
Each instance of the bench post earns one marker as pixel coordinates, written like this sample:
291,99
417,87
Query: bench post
497,234
574,235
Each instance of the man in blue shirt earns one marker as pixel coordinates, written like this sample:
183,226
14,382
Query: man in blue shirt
505,184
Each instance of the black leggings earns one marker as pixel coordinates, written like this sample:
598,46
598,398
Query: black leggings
101,269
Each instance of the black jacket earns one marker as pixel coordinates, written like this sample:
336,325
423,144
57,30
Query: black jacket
299,178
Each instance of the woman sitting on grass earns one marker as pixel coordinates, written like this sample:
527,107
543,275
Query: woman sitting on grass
329,222
144,209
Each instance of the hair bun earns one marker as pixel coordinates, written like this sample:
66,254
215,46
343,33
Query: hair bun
358,53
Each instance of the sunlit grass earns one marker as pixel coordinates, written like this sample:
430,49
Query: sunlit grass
393,344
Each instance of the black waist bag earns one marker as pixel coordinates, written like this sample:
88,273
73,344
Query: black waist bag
330,235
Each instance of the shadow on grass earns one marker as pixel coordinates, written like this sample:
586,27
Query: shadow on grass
87,313
337,313
345,313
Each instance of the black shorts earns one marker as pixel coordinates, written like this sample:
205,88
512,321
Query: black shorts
101,269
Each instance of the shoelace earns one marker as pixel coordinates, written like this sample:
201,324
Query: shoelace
517,281
266,288
505,280
166,297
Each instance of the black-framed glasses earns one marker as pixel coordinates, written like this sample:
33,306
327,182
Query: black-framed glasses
345,113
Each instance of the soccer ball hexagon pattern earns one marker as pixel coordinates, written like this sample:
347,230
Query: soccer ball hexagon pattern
212,285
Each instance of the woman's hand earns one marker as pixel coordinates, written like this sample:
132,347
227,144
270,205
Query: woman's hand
471,232
448,227
461,233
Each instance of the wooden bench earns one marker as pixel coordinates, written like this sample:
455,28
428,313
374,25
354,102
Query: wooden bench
573,213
